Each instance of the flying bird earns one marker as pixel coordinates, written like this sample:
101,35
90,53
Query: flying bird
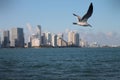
83,21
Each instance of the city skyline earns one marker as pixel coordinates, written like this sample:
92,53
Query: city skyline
15,37
56,16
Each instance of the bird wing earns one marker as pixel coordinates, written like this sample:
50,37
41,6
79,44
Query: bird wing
79,18
88,14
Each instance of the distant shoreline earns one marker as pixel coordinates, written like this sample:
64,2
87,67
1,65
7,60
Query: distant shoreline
61,47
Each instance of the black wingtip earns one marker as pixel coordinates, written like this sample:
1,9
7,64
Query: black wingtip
74,14
74,23
91,4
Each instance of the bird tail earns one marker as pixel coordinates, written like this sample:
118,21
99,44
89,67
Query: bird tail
74,23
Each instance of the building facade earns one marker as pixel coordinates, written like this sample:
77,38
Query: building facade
61,42
38,34
54,40
76,39
16,37
73,39
48,38
6,39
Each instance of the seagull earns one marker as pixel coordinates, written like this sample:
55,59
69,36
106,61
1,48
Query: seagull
83,21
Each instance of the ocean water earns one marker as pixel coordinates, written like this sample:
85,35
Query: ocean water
60,64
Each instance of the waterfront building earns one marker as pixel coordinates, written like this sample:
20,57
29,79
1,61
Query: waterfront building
35,39
38,31
6,39
70,38
73,39
0,41
94,44
16,37
35,42
43,39
83,43
48,38
54,40
61,42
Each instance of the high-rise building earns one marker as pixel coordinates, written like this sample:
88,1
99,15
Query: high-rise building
76,39
61,42
35,41
6,39
17,37
70,38
0,41
73,38
43,39
54,40
83,43
38,32
48,38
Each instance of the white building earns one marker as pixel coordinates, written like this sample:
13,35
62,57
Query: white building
84,43
35,42
35,39
61,42
73,38
54,40
48,38
94,44
70,38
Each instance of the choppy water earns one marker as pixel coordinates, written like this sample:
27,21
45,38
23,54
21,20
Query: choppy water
60,64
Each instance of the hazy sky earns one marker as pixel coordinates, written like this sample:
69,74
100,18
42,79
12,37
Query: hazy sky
56,16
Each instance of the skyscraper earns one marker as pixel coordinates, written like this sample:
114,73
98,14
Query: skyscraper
38,32
76,39
6,39
0,41
70,38
61,42
48,38
54,40
17,37
43,39
35,41
73,38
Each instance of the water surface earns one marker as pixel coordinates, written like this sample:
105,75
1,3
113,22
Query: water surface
60,64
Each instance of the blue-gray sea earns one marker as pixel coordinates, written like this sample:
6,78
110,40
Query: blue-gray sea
60,64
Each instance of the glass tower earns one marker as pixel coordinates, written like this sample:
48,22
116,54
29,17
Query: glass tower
17,37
